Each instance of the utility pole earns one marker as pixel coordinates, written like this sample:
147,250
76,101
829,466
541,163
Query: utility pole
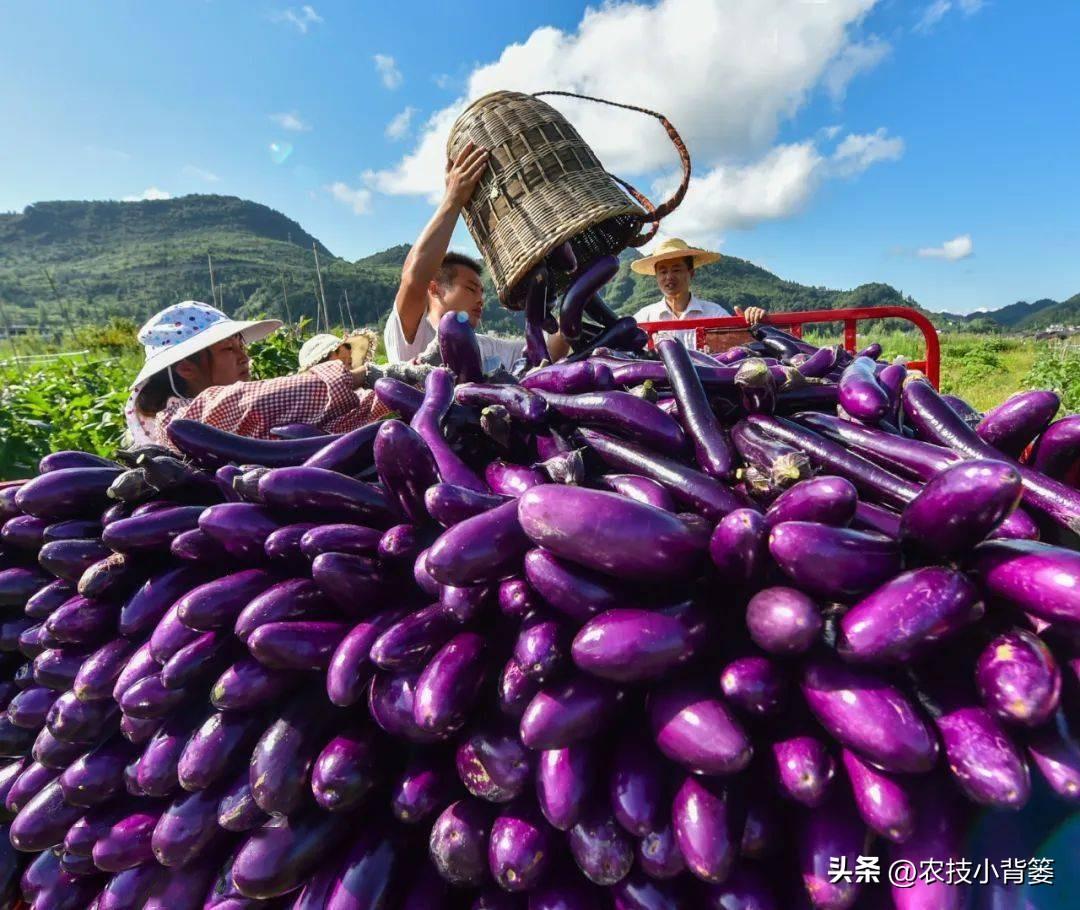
318,309
322,290
285,294
213,287
348,308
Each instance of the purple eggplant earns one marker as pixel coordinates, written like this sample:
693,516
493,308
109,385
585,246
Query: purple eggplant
332,494
1015,423
739,546
826,500
57,668
707,827
355,540
126,844
830,832
98,775
68,559
516,689
493,765
145,608
578,592
1018,525
152,532
602,850
156,769
804,769
34,778
520,403
506,479
570,378
18,585
783,621
390,704
563,714
659,856
406,467
960,507
519,848
438,396
369,874
186,828
641,489
24,532
141,664
412,640
1055,752
869,716
458,842
149,698
694,729
48,598
218,603
564,778
585,284
1035,577
517,597
82,621
638,787
938,838
426,786
247,684
837,563
184,888
885,801
345,771
695,489
55,753
1058,448
216,747
170,635
67,493
298,599
29,708
450,504
210,447
624,414
632,645
282,760
909,615
278,857
237,810
197,546
1018,678
282,547
869,517
712,448
485,547
861,395
449,685
754,684
296,645
350,667
609,533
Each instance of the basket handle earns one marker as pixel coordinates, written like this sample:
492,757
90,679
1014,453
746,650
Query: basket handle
657,212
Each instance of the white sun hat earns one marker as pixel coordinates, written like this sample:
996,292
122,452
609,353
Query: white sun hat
186,328
316,349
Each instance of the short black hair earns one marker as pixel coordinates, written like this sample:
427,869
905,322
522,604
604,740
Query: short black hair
689,260
445,276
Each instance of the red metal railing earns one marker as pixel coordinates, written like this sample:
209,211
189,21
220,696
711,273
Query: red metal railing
794,322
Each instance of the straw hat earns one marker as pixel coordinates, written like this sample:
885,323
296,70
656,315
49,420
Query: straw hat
673,249
186,328
316,349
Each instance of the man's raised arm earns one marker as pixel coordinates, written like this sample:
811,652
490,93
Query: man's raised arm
427,253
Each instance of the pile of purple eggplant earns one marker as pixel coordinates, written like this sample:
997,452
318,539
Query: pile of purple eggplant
639,631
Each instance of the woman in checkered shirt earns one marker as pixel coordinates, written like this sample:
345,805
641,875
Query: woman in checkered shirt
197,368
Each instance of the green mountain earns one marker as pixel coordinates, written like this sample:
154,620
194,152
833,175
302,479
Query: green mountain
80,262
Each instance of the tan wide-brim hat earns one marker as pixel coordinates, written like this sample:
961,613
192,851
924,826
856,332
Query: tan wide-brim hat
673,249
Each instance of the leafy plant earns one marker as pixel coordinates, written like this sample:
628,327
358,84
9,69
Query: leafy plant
1058,369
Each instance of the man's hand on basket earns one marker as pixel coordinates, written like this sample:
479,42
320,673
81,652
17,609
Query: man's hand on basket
752,314
463,173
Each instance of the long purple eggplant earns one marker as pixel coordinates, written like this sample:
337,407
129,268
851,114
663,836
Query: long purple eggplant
861,395
483,548
148,605
247,685
937,422
695,729
493,764
449,504
712,448
458,842
237,810
425,787
156,769
219,602
1016,422
67,493
458,347
564,779
97,776
707,827
831,831
587,283
449,685
519,402
216,748
43,822
296,645
609,533
885,801
295,599
345,771
411,641
600,847
563,714
870,716
332,494
210,447
406,467
638,787
625,415
519,848
283,757
534,288
1035,577
1058,448
438,396
348,453
570,378
186,828
152,532
826,500
832,562
632,645
909,615
755,684
578,592
82,621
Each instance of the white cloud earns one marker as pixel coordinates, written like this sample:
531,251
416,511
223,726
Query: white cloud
857,152
388,71
728,74
854,59
443,80
830,132
358,199
151,192
291,120
953,250
200,174
300,18
398,128
939,9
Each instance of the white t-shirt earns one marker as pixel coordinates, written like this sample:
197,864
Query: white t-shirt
494,352
695,309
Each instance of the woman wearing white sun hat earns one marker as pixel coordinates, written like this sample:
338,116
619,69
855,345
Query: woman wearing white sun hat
197,368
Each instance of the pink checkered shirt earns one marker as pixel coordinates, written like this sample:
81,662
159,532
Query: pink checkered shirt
322,396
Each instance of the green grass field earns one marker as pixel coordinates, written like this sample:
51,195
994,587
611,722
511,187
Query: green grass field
76,401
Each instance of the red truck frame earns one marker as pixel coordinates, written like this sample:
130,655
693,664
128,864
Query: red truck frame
794,322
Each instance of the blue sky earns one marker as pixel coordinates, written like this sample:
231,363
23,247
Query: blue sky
928,144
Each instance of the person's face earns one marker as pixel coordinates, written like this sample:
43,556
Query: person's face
464,295
220,364
344,354
673,277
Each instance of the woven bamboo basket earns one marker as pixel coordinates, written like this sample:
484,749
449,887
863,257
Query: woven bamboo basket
545,186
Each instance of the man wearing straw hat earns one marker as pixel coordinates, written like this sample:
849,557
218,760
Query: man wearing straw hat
673,263
197,368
